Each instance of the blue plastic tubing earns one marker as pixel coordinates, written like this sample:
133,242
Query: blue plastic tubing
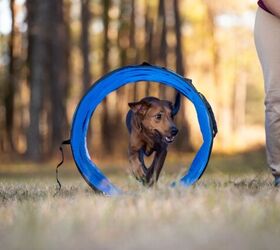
114,80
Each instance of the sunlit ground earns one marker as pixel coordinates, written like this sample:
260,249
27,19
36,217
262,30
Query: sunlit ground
233,206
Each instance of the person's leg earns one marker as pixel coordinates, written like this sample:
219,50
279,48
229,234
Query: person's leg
267,40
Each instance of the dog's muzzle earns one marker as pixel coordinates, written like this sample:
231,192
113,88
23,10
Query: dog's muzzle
174,132
169,139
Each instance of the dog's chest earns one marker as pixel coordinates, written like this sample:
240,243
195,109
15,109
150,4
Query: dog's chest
148,150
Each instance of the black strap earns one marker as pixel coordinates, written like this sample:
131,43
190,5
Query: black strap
189,81
146,64
66,142
211,113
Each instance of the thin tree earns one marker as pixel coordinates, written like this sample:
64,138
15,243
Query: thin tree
59,68
124,43
48,52
162,56
11,86
180,67
38,53
106,7
163,43
149,49
85,48
132,42
107,131
183,143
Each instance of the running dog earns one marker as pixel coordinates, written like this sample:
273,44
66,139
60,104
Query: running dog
151,128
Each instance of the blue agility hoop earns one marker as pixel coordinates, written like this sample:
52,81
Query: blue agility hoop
116,79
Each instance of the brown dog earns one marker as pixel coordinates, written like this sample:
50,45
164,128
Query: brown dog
151,127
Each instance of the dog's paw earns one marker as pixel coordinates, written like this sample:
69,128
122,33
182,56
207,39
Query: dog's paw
148,183
139,174
145,181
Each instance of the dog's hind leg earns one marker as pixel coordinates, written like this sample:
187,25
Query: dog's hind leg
154,170
160,162
141,158
156,167
150,173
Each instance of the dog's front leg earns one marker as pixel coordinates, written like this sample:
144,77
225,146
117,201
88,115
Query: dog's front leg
136,166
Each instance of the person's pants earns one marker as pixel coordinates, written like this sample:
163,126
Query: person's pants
267,40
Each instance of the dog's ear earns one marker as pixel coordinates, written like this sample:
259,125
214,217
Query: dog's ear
140,107
177,104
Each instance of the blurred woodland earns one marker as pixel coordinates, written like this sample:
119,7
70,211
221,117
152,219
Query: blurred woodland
56,49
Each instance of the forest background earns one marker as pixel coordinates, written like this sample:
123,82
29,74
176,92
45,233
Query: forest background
52,51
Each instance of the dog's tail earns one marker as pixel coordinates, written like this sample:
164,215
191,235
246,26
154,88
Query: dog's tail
177,104
128,120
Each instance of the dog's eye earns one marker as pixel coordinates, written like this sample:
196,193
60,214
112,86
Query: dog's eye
158,116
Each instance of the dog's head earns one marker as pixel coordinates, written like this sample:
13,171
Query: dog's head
155,117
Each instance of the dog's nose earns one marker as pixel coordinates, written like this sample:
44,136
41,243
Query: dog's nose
174,131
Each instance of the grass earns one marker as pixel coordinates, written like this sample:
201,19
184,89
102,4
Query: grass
234,206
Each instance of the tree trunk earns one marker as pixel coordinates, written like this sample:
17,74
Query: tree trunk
163,42
132,42
59,72
162,56
180,68
107,131
106,7
85,48
48,51
183,141
11,87
38,53
149,29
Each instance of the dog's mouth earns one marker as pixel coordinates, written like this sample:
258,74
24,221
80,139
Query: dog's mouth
164,138
169,139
